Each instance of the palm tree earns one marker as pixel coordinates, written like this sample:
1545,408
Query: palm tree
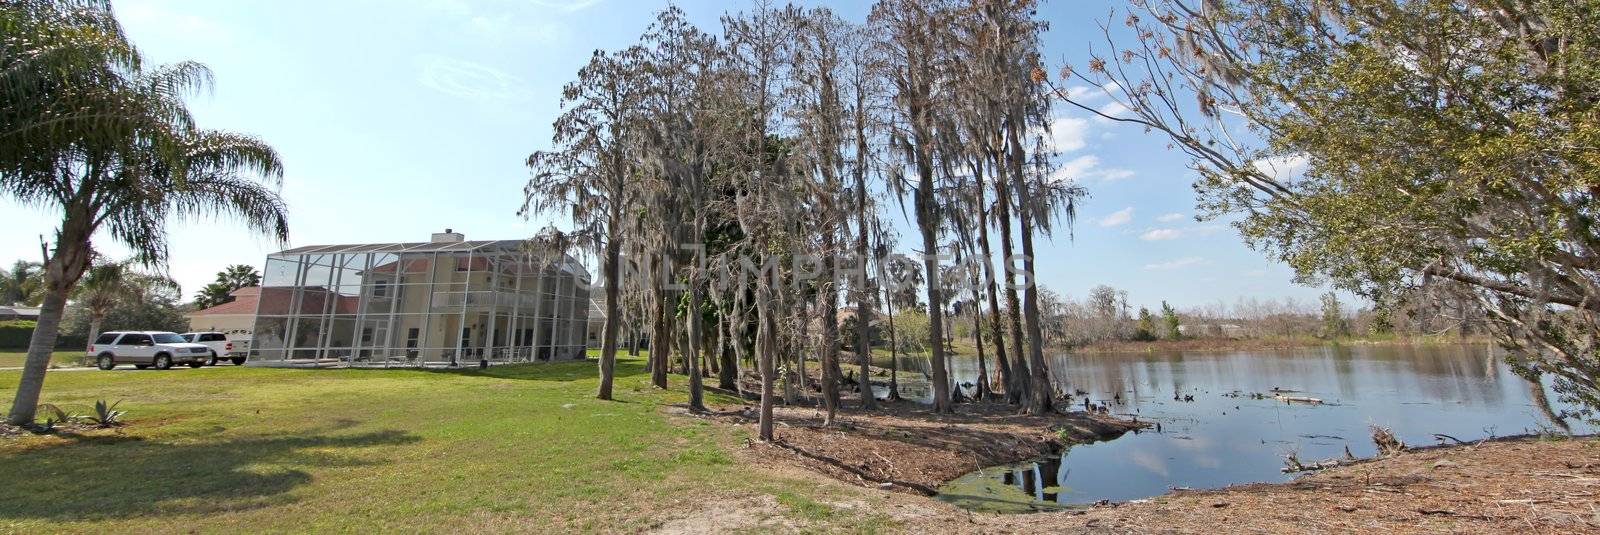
125,158
228,280
21,284
108,284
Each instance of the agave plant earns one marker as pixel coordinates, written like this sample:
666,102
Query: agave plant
106,415
56,414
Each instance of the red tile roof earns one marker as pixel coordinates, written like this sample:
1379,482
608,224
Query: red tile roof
277,302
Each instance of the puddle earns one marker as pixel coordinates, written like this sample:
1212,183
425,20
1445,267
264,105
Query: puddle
1028,487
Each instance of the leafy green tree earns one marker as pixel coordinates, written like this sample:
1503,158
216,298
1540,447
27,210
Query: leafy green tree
1169,318
228,280
1333,322
108,285
1146,329
87,130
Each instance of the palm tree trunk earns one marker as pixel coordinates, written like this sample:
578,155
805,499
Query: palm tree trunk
95,322
61,271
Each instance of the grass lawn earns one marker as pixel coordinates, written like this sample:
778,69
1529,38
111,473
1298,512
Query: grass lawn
14,359
512,448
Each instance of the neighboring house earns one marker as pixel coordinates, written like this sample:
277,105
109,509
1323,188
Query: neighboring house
18,313
447,301
236,318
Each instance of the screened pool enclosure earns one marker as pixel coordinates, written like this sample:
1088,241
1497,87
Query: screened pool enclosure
442,303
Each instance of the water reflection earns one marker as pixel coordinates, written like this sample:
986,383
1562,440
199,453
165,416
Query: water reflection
1226,436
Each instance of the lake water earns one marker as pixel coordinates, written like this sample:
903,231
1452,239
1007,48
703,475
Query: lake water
1225,436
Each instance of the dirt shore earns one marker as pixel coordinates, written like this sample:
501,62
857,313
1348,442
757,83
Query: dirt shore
904,446
1520,485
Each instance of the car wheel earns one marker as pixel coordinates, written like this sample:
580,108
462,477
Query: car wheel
163,361
106,362
196,364
212,360
238,361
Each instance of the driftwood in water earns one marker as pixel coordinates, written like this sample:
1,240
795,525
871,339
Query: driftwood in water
1297,399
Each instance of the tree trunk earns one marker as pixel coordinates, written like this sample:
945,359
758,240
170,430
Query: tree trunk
1040,388
660,338
767,332
696,386
61,271
894,348
728,366
828,345
930,245
96,321
1001,365
1017,389
982,391
608,335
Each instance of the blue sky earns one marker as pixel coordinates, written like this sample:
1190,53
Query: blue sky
400,118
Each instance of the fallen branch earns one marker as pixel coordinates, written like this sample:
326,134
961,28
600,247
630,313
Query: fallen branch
920,488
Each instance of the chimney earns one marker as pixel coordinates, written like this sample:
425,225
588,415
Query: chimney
448,236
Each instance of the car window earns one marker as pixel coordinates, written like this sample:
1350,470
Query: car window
212,337
168,338
134,339
106,339
188,337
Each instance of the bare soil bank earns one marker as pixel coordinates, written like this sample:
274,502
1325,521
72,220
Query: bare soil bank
904,446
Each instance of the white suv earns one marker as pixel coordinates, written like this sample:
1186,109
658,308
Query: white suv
146,348
221,347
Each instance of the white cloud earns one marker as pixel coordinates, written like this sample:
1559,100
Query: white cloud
1067,133
1087,167
568,6
1111,109
1167,233
1168,218
1283,167
1186,261
1117,218
469,80
1161,234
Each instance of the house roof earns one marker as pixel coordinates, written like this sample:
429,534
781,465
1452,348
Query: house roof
246,300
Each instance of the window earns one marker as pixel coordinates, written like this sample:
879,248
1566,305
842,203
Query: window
169,338
411,337
366,336
105,339
380,288
135,339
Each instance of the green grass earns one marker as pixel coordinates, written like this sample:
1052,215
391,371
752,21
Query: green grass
15,358
511,448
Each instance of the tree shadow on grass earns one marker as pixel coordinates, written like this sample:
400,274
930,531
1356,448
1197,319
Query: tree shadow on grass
117,477
544,371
